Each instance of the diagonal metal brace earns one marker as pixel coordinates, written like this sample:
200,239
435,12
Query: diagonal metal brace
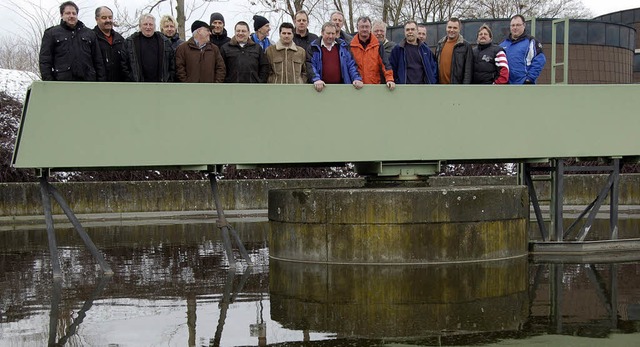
47,190
51,233
225,227
596,208
533,196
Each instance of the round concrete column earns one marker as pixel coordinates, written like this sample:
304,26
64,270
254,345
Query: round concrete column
399,225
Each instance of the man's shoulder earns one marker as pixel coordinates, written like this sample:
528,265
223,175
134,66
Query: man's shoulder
54,29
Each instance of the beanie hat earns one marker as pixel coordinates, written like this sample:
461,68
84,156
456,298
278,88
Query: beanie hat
216,16
198,24
259,22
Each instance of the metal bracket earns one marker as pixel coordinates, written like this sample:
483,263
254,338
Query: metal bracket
47,191
225,227
557,171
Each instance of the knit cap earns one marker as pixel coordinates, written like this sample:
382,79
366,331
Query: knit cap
216,16
259,22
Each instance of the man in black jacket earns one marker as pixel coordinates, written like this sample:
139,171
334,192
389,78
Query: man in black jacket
111,45
70,51
244,59
455,56
302,37
150,57
218,32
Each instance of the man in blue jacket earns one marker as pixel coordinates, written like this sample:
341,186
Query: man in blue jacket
524,53
412,60
329,61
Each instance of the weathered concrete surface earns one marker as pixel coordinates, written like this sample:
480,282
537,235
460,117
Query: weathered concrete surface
394,225
23,199
399,301
578,189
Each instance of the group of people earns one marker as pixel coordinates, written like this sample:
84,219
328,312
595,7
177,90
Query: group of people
72,52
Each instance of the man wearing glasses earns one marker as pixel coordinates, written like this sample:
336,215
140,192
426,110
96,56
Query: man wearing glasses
524,53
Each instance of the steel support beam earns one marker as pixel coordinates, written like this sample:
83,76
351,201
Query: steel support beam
225,227
558,169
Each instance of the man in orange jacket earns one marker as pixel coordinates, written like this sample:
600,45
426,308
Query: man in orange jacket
370,56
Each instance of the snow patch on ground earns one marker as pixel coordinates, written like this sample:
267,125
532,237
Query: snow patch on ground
15,83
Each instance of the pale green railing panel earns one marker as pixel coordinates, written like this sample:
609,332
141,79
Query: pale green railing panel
110,125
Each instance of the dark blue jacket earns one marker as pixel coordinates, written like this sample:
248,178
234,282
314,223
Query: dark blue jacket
348,67
399,63
525,57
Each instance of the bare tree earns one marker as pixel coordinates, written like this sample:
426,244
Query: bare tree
16,53
527,8
35,20
287,9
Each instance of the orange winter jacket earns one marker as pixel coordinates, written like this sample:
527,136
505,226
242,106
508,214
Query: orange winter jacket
373,63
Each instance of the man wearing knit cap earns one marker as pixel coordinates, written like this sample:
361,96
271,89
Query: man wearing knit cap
219,33
261,34
198,60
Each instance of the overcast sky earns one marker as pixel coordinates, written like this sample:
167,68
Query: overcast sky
233,10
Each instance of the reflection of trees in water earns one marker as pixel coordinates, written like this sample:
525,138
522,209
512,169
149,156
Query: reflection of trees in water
589,300
173,261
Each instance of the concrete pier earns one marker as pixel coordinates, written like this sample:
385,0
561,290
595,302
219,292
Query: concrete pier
399,225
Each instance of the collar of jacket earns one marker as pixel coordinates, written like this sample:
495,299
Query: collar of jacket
404,42
373,42
234,42
116,35
459,41
192,43
222,34
295,34
67,27
339,42
524,35
280,46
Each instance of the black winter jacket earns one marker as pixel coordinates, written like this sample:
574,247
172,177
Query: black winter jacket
175,41
485,70
246,64
304,41
114,56
70,54
221,39
167,56
462,64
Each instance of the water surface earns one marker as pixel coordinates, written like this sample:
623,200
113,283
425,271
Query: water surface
173,287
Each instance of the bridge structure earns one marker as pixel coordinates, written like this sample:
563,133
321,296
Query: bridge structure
402,134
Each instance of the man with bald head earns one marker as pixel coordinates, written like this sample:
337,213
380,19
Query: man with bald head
111,46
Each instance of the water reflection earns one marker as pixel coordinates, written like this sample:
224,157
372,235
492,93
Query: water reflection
56,294
408,302
173,287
